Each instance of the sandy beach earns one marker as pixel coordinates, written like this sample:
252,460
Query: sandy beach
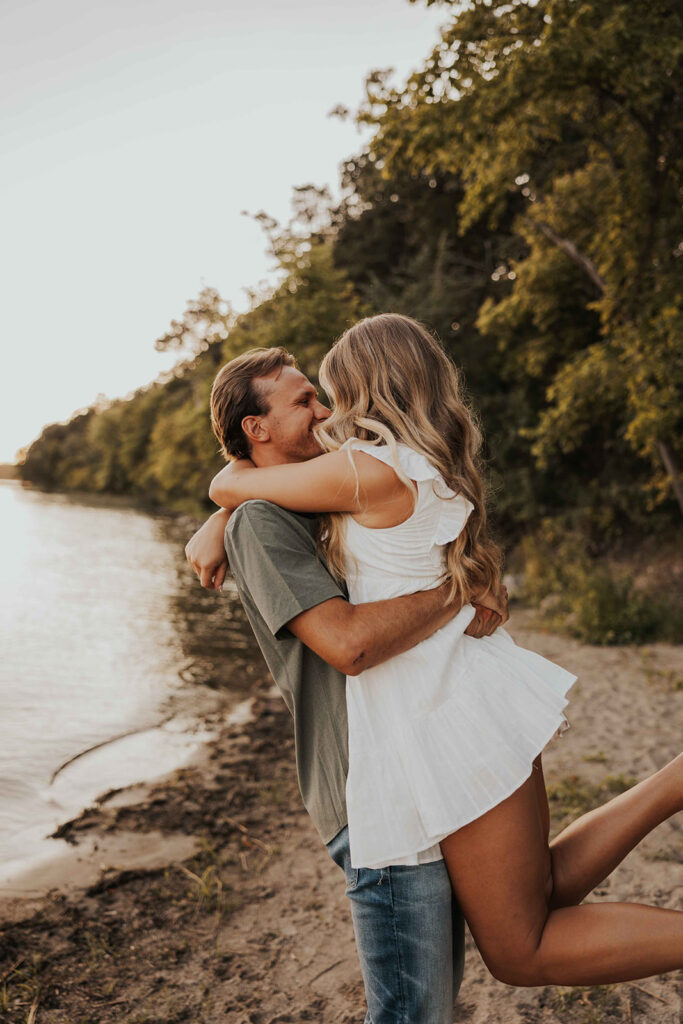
207,895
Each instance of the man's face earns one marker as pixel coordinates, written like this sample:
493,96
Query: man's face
294,412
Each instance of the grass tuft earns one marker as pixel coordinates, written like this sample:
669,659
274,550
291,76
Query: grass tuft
593,1005
573,796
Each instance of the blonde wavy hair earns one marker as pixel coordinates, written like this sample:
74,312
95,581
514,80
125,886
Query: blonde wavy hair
389,380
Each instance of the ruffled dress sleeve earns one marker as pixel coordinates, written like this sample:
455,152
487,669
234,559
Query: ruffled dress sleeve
453,508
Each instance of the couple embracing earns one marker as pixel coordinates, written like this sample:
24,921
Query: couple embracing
357,537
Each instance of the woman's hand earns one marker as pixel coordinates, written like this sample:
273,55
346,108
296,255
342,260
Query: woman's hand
205,551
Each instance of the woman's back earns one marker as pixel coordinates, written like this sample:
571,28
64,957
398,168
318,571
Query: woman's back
384,563
445,730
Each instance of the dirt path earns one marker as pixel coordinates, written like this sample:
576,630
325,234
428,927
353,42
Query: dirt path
260,931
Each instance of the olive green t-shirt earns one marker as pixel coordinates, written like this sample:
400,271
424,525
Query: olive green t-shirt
273,558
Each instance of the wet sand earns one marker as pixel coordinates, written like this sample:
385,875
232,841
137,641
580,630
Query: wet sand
207,895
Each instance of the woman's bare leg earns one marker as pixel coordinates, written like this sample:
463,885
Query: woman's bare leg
541,796
592,846
501,871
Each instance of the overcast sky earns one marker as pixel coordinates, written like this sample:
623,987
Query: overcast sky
133,134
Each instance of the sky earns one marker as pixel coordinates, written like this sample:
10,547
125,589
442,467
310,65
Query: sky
132,137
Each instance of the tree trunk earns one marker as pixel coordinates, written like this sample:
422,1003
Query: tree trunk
668,460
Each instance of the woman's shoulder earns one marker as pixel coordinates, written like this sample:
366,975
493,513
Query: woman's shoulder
448,510
414,464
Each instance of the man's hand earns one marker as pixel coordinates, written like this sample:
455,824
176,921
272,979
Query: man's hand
485,622
492,610
205,551
498,601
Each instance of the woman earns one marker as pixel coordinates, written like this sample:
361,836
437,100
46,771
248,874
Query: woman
445,740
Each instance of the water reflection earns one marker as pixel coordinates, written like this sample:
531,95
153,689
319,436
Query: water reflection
104,631
212,628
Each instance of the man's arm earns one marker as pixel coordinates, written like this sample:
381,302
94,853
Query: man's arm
355,637
206,554
349,637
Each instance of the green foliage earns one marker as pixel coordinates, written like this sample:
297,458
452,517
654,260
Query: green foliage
182,453
597,1004
207,321
60,454
574,108
158,444
520,195
586,597
573,796
315,303
610,610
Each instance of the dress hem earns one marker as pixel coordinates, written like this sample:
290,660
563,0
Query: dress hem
385,862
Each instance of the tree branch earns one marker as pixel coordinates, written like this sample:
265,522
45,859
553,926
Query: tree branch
623,104
570,249
668,460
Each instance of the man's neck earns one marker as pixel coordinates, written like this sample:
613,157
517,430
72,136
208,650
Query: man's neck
276,461
271,457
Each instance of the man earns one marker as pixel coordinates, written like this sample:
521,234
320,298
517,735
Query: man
409,930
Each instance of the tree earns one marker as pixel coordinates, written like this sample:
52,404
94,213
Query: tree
574,106
315,300
206,321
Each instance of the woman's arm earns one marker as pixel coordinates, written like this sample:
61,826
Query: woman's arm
326,483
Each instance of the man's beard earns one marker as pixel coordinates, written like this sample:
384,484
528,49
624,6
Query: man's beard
307,448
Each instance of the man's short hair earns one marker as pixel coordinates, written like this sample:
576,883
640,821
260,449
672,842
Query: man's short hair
234,396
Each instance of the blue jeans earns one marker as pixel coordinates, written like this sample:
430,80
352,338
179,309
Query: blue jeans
410,936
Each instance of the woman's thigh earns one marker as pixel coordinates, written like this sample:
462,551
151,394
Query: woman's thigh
541,795
500,870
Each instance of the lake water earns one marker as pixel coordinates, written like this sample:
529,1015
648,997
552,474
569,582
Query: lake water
104,634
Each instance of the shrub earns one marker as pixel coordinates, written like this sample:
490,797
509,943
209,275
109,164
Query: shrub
577,593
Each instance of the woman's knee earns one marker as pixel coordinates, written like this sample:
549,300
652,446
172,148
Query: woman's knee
521,968
518,959
501,871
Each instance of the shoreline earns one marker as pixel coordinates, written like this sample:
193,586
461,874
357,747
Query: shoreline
191,513
139,710
53,866
207,896
123,761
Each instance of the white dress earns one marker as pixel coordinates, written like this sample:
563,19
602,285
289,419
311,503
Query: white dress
442,733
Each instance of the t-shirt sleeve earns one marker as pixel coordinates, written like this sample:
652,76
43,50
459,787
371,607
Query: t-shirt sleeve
273,557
